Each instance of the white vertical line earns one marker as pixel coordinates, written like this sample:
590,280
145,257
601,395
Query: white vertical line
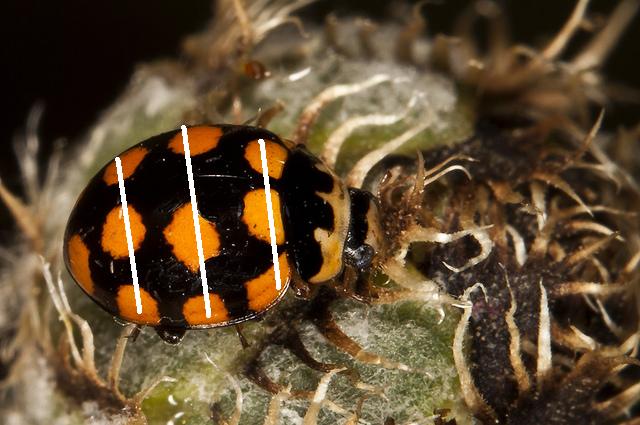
196,222
127,230
272,230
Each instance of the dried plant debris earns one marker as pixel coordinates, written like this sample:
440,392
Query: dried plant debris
508,289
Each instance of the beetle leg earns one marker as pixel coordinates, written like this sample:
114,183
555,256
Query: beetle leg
289,338
256,374
357,286
330,330
134,333
243,339
354,285
291,341
323,319
301,288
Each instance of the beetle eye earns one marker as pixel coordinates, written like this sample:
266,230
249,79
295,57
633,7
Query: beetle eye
361,257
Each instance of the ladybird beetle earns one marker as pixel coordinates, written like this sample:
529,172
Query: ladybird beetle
320,226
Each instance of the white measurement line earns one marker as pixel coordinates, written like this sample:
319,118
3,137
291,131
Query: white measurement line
127,230
196,222
272,228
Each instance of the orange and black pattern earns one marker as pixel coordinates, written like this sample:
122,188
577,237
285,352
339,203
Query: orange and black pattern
311,213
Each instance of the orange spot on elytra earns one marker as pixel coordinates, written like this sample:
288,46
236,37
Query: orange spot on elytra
181,235
201,139
261,291
78,255
255,215
275,153
195,314
114,237
127,306
130,161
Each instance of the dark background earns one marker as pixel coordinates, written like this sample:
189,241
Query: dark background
75,56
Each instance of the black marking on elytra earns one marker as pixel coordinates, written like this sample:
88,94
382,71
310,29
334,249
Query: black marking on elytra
157,189
304,210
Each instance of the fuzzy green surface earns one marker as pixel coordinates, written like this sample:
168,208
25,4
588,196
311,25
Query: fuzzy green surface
404,332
